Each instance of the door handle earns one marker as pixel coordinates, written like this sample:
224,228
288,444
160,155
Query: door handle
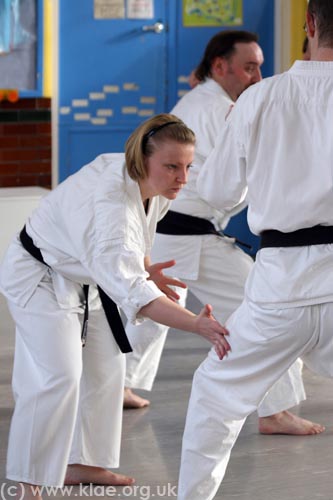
154,28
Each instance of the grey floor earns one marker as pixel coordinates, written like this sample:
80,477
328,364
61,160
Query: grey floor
261,467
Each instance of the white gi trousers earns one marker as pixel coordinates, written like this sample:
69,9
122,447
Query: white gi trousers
264,344
222,273
68,399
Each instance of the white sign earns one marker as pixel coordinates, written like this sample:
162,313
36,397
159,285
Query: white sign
109,9
140,9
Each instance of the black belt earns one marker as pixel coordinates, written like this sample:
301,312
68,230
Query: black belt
178,224
316,235
109,306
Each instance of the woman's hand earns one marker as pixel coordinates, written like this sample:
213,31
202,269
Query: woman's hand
210,329
162,310
163,281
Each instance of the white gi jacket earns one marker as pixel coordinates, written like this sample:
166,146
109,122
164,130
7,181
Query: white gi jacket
204,110
290,185
91,229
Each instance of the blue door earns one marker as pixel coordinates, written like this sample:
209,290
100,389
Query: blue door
112,76
114,73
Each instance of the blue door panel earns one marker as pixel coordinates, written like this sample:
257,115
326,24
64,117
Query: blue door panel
84,145
112,76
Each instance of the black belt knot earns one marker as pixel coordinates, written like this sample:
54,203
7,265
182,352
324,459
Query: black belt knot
109,306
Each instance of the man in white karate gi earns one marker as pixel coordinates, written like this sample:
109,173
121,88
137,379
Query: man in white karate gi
277,144
213,267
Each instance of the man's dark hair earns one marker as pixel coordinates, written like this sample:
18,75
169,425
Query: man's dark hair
222,45
322,10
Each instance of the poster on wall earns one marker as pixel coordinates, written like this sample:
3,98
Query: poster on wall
212,12
140,9
109,9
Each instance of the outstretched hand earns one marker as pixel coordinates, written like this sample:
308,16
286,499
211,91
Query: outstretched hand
163,281
210,329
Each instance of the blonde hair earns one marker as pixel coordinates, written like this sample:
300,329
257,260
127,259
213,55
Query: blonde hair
146,138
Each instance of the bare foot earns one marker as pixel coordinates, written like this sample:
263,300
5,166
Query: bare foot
86,474
132,400
285,422
26,491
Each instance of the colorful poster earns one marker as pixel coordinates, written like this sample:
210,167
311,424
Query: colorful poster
212,12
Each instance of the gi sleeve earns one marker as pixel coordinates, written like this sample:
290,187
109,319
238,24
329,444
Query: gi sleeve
112,251
119,270
222,179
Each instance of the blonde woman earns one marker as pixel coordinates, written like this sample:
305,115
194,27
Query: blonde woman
96,229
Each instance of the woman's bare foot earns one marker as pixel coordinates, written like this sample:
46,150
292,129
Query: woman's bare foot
86,474
132,400
285,422
26,491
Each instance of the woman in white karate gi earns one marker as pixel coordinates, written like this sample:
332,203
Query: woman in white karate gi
94,228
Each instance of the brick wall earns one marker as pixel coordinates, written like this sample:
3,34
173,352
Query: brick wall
25,143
